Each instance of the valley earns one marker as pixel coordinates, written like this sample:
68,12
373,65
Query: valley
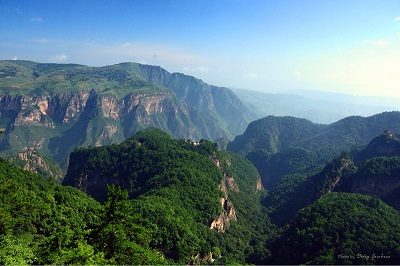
131,164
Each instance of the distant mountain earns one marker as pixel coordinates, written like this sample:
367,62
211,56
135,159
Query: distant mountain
56,107
267,139
386,144
274,134
317,106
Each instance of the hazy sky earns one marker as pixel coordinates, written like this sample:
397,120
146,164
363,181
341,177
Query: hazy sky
348,46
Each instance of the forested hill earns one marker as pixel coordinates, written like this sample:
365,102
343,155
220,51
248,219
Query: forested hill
341,229
175,201
373,171
275,134
56,107
198,201
283,145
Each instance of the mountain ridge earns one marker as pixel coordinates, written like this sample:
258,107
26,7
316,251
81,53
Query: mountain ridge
56,107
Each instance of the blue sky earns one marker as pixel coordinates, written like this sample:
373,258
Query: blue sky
346,46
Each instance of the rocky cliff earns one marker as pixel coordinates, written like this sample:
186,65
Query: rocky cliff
54,108
32,161
222,222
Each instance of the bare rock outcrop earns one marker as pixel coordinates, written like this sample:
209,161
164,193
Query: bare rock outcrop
222,222
259,185
33,162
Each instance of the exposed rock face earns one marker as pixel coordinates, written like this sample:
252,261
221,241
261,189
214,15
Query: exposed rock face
198,259
230,184
222,222
259,185
43,110
48,110
327,181
68,107
31,161
77,117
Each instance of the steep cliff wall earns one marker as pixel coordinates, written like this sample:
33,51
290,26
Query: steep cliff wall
50,123
56,107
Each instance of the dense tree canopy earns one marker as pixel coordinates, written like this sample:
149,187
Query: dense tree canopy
341,228
159,197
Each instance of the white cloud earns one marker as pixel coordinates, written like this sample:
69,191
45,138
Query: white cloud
376,42
170,58
58,58
396,19
297,73
250,75
15,58
197,69
36,19
41,40
332,75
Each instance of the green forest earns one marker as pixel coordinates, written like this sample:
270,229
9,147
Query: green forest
153,199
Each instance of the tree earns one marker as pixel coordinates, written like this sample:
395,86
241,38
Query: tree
120,236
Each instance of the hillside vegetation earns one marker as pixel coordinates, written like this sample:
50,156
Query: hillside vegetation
44,223
284,145
197,200
341,229
175,201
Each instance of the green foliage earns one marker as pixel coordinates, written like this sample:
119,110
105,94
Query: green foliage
341,228
36,78
42,222
377,176
16,250
386,144
173,187
173,177
379,167
278,146
287,197
246,239
120,236
272,167
274,134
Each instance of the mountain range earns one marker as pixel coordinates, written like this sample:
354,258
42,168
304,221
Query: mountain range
309,144
148,180
54,107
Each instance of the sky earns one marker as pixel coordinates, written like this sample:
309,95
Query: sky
344,46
